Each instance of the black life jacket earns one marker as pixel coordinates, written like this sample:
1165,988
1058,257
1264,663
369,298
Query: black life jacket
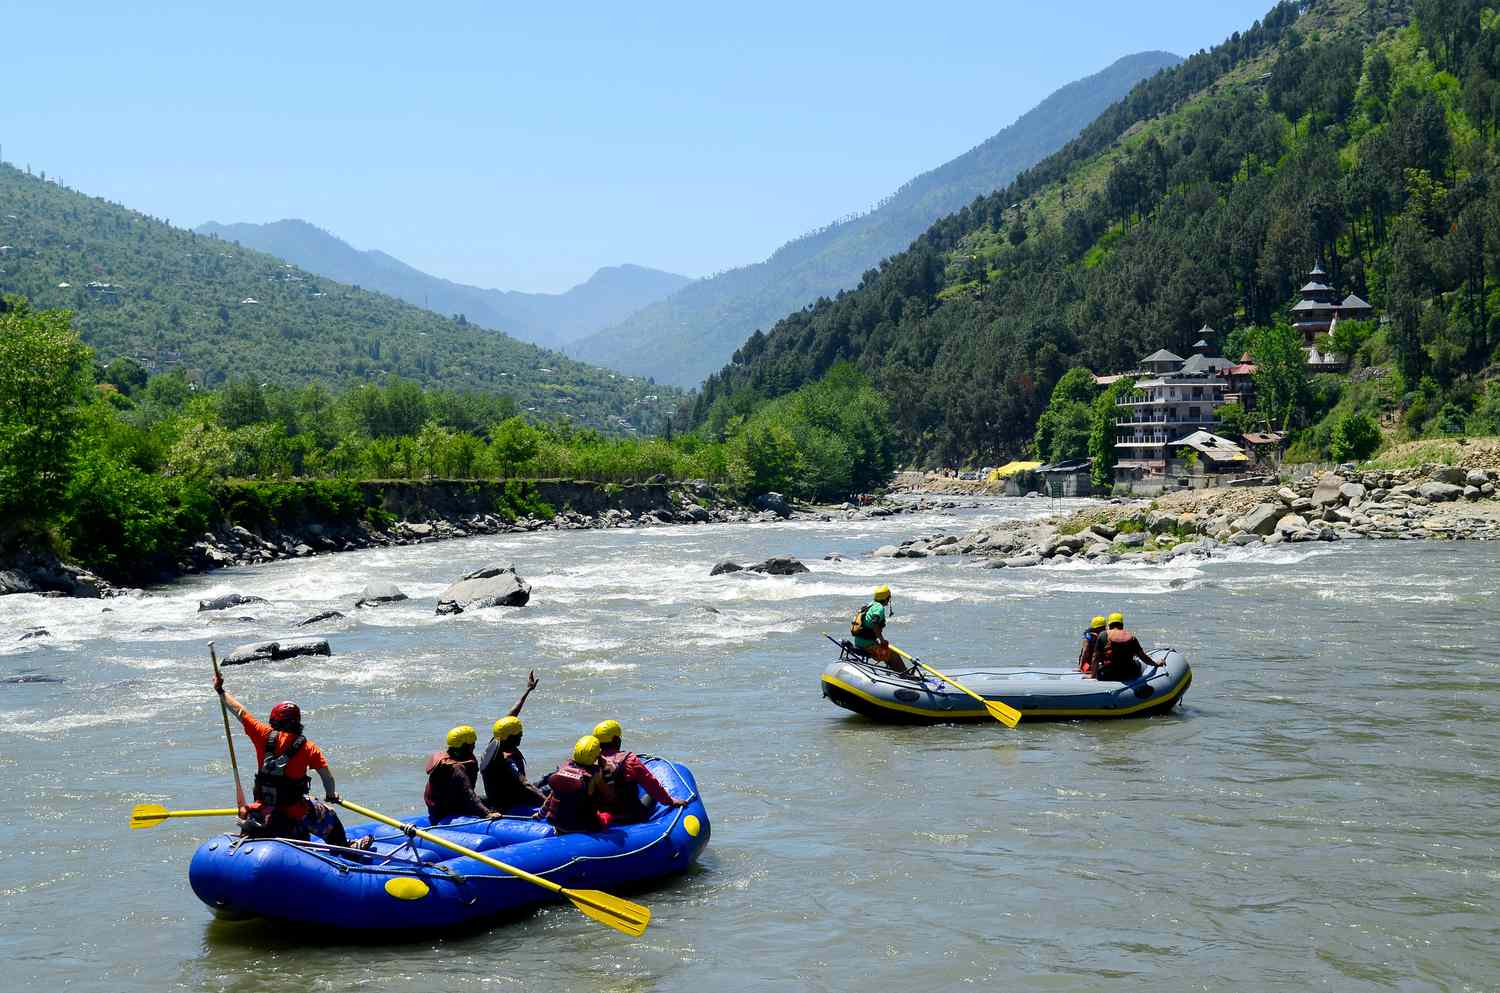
273,787
503,772
857,626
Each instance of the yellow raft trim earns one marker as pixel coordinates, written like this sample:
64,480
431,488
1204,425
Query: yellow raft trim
1025,712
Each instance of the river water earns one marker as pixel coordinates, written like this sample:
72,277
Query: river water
1321,812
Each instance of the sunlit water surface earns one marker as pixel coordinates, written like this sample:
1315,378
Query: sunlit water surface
1320,813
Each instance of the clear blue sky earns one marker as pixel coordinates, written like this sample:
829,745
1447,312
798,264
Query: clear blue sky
523,145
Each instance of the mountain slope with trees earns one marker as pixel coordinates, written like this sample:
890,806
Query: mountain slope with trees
551,320
1359,134
171,299
684,337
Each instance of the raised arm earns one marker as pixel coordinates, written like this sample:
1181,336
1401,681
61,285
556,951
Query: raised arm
234,705
530,685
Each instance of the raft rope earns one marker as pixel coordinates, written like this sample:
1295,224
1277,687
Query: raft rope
322,851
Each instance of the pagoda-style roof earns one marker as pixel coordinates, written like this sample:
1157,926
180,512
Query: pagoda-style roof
1161,355
1352,302
1201,344
1304,305
1216,448
1316,288
1195,366
1317,271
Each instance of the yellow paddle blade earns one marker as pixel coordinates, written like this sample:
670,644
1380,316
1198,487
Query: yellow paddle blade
622,915
148,815
1005,714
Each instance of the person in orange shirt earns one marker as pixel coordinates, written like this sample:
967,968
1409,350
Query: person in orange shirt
282,807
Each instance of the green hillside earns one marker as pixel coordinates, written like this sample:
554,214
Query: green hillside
686,336
174,299
1361,134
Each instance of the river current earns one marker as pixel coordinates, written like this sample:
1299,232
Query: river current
1320,813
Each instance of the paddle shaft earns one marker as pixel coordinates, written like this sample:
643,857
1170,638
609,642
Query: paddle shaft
993,707
163,815
239,790
545,884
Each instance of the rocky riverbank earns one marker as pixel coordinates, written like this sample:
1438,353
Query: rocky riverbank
417,513
1428,502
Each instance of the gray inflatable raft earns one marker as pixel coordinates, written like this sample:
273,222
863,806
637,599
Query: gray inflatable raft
875,691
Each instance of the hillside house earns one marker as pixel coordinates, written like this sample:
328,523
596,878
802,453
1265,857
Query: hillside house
1173,398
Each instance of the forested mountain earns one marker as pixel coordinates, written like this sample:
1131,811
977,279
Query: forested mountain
547,319
684,337
1358,133
175,299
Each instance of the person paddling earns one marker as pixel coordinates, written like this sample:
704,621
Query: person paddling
1118,655
503,767
868,630
451,776
282,807
1086,654
573,803
623,773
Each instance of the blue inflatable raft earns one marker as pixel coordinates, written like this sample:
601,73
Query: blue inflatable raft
875,691
406,883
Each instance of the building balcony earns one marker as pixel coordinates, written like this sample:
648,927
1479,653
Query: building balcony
1206,419
1213,397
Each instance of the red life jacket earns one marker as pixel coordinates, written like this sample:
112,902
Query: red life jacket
620,796
570,808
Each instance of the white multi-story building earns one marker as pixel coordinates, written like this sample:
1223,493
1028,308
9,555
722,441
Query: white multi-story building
1172,398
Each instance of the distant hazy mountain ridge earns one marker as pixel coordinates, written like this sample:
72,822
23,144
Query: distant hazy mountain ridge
549,319
173,299
686,336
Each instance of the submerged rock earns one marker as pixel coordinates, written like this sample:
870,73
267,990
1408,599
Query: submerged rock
228,600
31,677
34,633
275,651
489,587
327,615
724,567
377,593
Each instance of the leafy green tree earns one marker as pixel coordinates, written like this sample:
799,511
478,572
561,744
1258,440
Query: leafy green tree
203,450
126,375
1233,419
45,376
1102,419
242,403
513,444
1355,438
1281,386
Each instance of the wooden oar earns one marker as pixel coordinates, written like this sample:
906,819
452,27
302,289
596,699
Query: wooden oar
239,791
1004,713
149,815
622,915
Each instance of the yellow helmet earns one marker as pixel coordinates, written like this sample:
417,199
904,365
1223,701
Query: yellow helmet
883,594
586,750
507,728
1117,618
607,731
1097,623
462,735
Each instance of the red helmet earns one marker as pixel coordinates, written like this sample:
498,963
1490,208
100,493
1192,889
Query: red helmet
286,716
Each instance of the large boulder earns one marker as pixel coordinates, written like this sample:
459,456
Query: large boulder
1476,477
886,552
780,565
1450,474
1327,490
1291,522
1439,492
275,651
700,514
1350,492
227,600
489,587
774,502
1262,520
725,567
377,593
1135,539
